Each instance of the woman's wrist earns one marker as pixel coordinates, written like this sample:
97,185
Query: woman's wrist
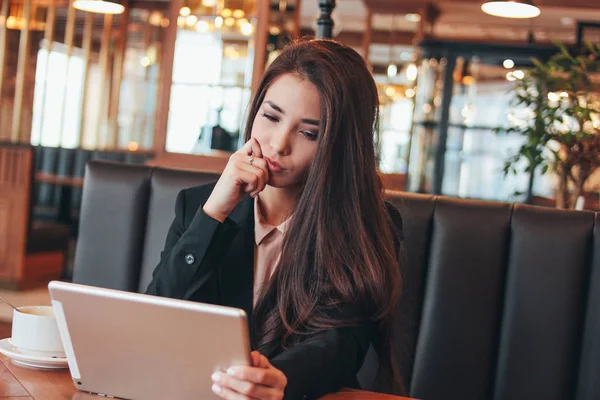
214,213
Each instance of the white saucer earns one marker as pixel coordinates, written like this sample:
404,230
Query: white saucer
7,348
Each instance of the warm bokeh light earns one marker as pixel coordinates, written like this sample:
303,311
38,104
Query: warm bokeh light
392,70
202,26
413,17
552,96
508,63
411,72
191,20
239,14
518,74
247,29
185,11
133,146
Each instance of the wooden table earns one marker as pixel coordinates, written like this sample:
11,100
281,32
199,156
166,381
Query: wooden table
20,383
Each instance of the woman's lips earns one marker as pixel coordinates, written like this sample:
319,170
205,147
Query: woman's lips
273,165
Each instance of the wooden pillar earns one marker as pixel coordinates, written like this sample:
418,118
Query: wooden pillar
104,74
115,94
4,10
262,11
69,34
165,80
368,34
20,79
325,23
48,43
87,50
297,19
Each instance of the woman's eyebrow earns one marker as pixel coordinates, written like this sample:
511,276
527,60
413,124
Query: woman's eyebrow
279,109
274,106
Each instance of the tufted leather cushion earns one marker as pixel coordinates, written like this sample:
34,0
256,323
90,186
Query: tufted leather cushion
500,301
112,223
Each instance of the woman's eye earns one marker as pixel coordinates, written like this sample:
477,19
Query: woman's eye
270,117
310,135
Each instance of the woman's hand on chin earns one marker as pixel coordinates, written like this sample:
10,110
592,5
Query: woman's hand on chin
246,172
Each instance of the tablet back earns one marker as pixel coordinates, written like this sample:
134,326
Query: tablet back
137,346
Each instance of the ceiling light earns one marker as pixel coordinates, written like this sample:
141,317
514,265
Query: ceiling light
511,8
99,6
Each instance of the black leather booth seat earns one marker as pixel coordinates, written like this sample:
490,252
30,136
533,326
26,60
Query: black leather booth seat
501,301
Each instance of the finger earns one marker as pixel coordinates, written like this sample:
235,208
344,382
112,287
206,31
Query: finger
228,394
263,362
263,376
262,164
250,389
256,149
255,355
251,147
248,180
259,173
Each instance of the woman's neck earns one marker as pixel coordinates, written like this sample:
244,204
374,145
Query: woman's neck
277,204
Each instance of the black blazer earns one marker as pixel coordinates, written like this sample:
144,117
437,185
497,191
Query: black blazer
212,262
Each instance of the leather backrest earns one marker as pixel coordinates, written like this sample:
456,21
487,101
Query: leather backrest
588,383
112,224
544,303
500,301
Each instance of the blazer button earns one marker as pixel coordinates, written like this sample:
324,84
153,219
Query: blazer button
189,259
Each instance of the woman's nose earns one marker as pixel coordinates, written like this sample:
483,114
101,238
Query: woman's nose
280,142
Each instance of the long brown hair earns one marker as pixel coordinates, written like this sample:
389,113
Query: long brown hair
339,249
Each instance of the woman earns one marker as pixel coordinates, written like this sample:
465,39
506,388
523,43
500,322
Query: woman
296,232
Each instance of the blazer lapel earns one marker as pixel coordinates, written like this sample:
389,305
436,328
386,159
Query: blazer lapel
236,274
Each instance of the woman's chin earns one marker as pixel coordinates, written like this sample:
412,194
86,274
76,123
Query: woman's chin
281,182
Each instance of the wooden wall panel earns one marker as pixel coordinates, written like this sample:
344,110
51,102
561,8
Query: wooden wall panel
15,181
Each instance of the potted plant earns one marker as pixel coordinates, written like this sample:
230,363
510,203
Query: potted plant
561,102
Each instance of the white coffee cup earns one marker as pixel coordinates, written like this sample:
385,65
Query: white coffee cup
35,332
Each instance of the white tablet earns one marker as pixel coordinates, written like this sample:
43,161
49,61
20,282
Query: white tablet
137,346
